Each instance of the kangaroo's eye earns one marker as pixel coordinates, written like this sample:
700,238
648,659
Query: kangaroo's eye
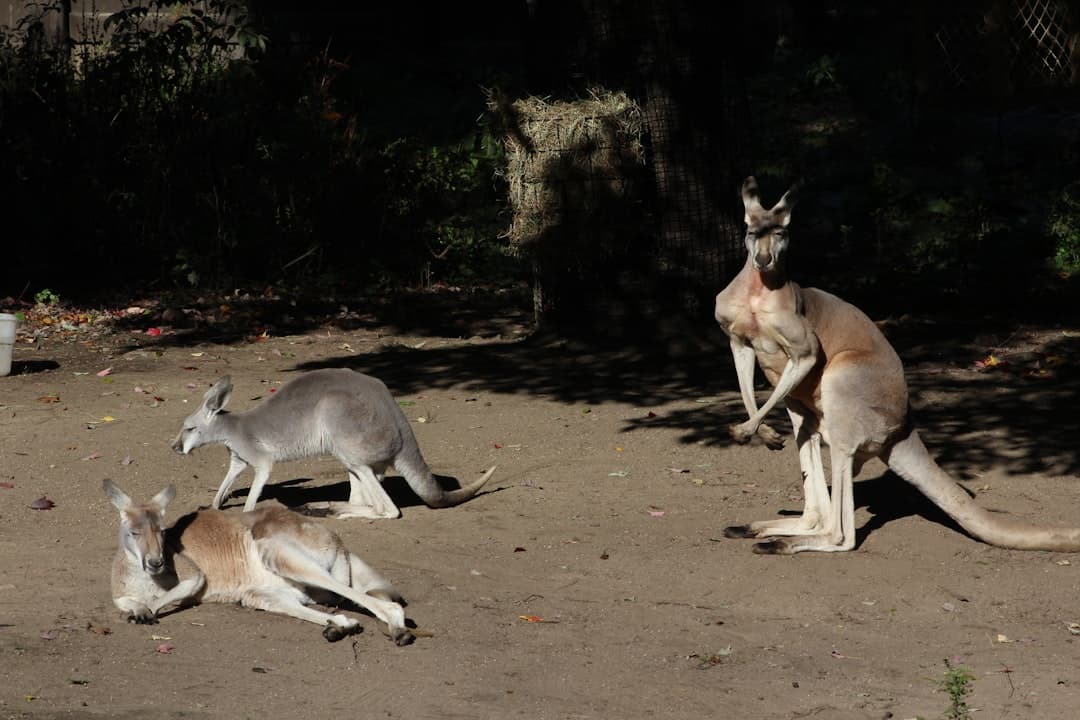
134,533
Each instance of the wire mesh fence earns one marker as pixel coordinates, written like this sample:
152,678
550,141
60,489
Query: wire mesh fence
1007,46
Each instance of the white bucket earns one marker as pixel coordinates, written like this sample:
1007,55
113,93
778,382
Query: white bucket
7,342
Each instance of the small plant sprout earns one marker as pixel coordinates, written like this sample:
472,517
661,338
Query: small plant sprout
956,683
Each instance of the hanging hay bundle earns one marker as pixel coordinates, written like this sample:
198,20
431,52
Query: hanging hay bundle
570,171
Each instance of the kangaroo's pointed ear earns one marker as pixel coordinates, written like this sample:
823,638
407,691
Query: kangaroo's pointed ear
117,497
163,498
217,397
750,197
782,209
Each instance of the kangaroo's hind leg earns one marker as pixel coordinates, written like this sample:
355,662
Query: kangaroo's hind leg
301,565
854,428
816,503
289,601
367,498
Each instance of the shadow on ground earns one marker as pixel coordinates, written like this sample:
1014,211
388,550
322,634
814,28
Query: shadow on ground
440,312
1017,416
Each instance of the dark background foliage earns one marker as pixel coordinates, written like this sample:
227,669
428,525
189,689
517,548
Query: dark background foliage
347,148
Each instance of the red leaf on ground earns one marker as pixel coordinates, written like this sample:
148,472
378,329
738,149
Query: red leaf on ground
165,648
6,485
153,332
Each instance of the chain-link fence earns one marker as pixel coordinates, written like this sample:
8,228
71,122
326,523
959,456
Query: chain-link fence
1006,47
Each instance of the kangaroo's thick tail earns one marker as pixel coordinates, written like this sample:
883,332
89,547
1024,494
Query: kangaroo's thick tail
427,487
910,460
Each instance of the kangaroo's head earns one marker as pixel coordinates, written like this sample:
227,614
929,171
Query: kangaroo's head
766,230
142,530
197,428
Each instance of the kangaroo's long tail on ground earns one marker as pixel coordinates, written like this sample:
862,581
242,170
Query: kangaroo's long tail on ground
424,484
910,460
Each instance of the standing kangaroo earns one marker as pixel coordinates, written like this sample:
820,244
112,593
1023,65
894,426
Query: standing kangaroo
335,412
271,559
843,384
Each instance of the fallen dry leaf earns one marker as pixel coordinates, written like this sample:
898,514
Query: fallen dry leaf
42,503
657,513
49,399
106,371
165,648
6,485
92,456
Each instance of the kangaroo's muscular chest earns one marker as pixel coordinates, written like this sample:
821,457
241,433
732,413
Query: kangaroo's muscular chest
748,310
760,316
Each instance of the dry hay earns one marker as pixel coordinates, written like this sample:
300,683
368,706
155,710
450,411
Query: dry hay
569,164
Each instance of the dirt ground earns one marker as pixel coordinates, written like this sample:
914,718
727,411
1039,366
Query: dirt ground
615,479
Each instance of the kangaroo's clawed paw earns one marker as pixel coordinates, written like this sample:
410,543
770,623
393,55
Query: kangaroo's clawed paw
741,433
773,440
739,532
333,632
309,511
773,547
143,619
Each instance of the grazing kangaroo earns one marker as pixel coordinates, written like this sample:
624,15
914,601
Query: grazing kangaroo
271,559
335,412
842,383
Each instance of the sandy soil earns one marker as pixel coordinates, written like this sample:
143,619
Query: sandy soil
615,480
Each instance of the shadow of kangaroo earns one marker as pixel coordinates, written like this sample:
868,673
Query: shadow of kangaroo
270,559
337,412
843,384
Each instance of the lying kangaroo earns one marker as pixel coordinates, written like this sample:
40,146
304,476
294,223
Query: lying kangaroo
271,559
325,412
843,384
